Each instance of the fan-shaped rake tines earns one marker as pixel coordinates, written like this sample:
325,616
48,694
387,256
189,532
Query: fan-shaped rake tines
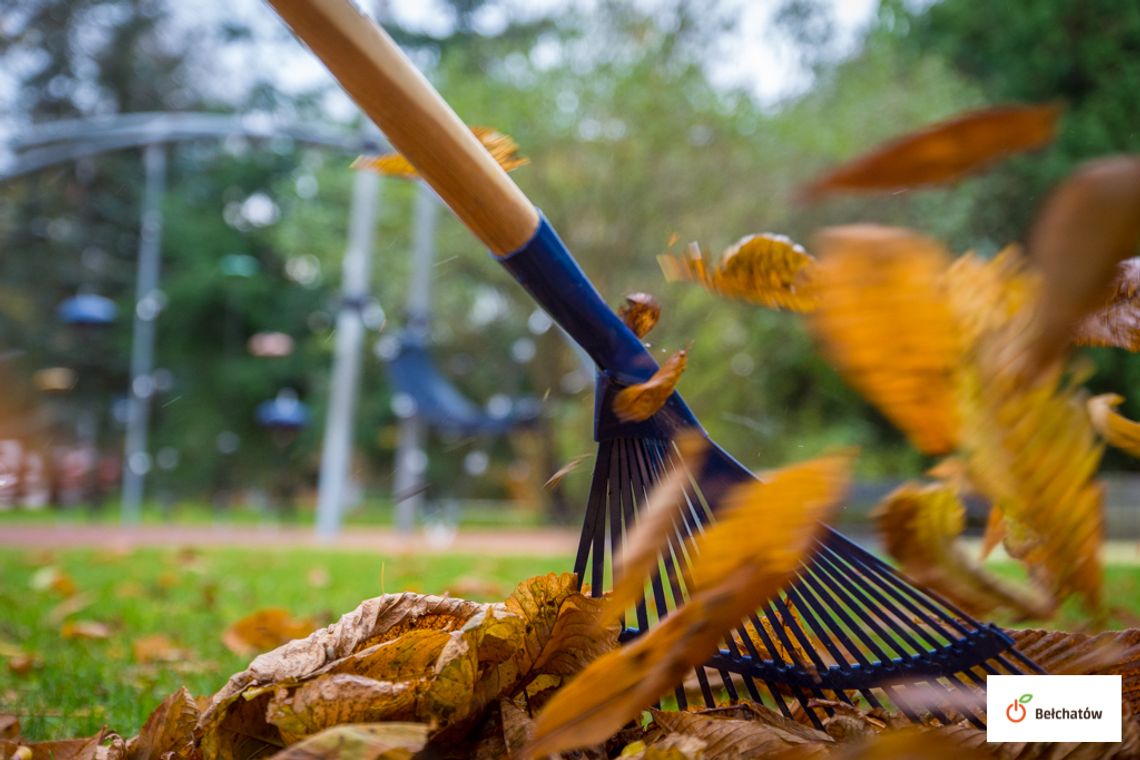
848,629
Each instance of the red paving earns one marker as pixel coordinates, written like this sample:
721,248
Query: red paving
538,542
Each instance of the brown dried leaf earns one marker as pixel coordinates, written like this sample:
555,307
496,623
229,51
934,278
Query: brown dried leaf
1088,224
361,741
640,313
553,481
84,629
89,748
638,403
943,152
668,747
156,648
1116,430
502,148
885,321
337,699
9,727
641,550
765,734
769,270
920,526
169,729
518,727
735,571
265,629
69,607
1065,653
1117,322
53,578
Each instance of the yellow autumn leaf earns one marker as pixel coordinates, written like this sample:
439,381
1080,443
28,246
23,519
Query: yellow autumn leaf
640,402
736,568
920,526
502,148
769,270
884,320
1116,430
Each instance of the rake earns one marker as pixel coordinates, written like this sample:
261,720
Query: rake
848,628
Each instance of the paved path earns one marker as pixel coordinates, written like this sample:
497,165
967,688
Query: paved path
538,542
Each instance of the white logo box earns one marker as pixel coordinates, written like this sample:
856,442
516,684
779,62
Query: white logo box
1053,708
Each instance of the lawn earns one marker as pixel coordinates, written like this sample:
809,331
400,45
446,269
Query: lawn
191,597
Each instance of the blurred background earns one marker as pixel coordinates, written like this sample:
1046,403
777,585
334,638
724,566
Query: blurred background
179,294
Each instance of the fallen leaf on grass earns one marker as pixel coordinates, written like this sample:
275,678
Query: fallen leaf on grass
943,152
501,147
265,629
156,648
318,577
640,313
53,578
168,730
89,748
736,569
638,403
1116,430
85,629
69,607
9,727
1089,223
885,321
768,270
472,586
24,663
920,526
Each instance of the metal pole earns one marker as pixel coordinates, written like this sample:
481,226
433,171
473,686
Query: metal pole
337,450
408,480
136,459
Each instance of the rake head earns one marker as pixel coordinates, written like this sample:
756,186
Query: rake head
849,627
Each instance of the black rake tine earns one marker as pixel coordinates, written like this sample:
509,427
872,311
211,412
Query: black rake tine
595,505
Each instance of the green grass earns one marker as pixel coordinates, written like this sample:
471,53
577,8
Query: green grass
191,597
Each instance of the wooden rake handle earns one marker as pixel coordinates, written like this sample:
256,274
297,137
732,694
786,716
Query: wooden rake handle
415,119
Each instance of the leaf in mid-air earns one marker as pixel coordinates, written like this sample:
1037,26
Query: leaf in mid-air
640,313
920,526
1089,224
736,568
640,402
884,320
1116,430
1117,322
502,148
944,152
768,270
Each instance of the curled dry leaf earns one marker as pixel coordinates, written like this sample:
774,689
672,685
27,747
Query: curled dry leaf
764,734
1088,224
360,741
406,657
265,629
1117,322
168,730
638,403
920,526
737,568
502,148
640,312
884,320
943,152
1116,430
769,270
